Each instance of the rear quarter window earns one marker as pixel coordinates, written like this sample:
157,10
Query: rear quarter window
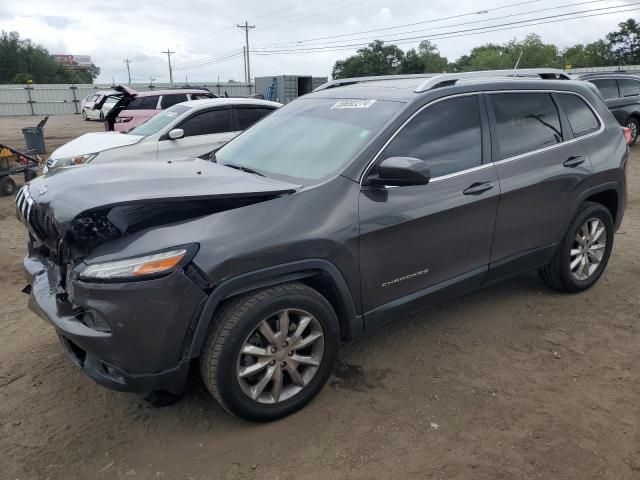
170,100
581,118
143,103
628,87
525,122
608,88
249,116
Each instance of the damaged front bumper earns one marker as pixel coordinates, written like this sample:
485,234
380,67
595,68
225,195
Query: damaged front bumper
130,336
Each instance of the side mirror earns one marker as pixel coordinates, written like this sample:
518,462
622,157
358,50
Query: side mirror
176,133
400,172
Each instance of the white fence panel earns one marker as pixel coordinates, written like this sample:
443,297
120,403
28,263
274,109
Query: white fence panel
64,99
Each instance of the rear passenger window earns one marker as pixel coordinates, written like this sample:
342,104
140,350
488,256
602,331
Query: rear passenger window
525,122
207,123
249,116
608,88
628,87
581,118
143,103
447,135
170,100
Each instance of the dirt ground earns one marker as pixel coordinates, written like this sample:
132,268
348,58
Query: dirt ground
512,382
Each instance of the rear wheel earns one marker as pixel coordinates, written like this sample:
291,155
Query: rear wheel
634,128
7,186
584,252
270,352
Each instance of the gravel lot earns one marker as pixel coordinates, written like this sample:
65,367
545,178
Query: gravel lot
512,382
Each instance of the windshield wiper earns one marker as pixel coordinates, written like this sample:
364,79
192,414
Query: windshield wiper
244,169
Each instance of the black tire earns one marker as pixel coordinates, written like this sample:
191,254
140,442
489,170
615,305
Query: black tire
231,327
634,126
557,274
7,186
84,115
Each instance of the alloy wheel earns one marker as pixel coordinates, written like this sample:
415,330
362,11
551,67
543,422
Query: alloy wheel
633,129
588,249
280,356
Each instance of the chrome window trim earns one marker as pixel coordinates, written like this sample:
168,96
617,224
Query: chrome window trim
498,162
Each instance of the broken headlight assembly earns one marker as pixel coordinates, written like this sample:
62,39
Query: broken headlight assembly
144,267
70,161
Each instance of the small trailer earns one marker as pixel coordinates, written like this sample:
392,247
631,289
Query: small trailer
15,162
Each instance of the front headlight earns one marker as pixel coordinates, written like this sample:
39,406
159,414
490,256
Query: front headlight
137,268
69,161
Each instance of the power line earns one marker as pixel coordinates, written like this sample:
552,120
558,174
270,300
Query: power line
442,35
451,25
459,33
461,15
405,39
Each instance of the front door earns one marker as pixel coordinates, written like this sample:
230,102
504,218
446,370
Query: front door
415,240
203,132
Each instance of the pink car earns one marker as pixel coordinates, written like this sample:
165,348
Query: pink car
135,108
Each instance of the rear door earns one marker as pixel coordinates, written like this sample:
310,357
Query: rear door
247,115
139,110
418,239
621,96
540,166
204,131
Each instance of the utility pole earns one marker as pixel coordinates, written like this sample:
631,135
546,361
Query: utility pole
168,53
151,80
127,61
244,59
246,27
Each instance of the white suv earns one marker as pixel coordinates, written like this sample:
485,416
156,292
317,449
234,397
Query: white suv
188,129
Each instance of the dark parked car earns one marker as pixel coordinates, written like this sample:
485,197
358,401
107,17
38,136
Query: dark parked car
621,93
351,206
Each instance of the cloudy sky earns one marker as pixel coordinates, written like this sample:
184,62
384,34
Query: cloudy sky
291,37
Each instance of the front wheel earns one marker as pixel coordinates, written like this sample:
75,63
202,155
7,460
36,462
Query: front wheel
84,115
634,128
583,255
7,186
271,351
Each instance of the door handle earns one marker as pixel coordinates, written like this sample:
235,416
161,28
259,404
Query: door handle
573,162
478,188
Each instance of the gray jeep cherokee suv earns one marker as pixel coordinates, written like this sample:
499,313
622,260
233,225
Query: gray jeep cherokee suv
361,202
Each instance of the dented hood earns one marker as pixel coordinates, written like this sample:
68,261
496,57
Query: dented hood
68,192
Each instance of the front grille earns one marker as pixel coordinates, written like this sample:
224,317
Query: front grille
40,223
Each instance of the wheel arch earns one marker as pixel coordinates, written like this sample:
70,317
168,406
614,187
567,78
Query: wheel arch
608,195
318,274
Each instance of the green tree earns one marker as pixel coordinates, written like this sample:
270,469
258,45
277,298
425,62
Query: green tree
22,60
426,59
593,54
531,52
375,59
625,43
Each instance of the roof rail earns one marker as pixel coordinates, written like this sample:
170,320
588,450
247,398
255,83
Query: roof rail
611,72
447,79
350,81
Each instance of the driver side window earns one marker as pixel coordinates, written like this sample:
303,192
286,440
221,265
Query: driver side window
446,135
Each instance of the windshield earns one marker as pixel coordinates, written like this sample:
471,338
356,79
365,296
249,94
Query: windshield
157,123
308,139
